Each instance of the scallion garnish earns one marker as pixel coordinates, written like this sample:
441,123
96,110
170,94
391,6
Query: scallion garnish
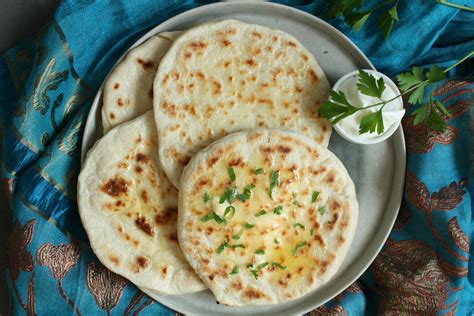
248,225
237,246
231,173
298,246
235,270
276,241
207,197
213,216
237,236
255,273
229,212
260,213
222,247
298,225
311,232
228,195
247,193
259,171
322,210
279,265
277,210
296,203
262,265
274,181
314,197
260,251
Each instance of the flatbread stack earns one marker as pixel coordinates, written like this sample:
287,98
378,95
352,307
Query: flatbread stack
213,171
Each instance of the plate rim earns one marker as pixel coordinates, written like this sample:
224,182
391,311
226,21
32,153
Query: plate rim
399,168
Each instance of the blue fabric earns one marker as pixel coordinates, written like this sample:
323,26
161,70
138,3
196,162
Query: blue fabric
46,89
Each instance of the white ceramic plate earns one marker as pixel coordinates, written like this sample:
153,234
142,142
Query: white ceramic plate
378,170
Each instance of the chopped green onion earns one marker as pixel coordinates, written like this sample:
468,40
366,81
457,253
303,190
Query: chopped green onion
274,181
279,265
298,225
222,247
298,246
237,246
207,197
229,212
212,216
295,202
322,210
248,225
255,273
259,171
260,213
235,270
311,232
231,173
228,195
260,251
249,265
276,241
314,197
247,193
237,236
262,265
277,210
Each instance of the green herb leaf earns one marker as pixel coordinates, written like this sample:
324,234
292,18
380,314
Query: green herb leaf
237,236
277,210
279,265
276,241
260,251
408,80
298,225
229,212
337,108
235,270
259,171
387,20
356,20
298,246
248,225
420,114
314,197
341,7
207,197
262,265
441,107
229,195
231,173
255,273
322,210
311,232
274,181
371,123
260,213
370,86
222,247
237,246
435,122
435,74
212,216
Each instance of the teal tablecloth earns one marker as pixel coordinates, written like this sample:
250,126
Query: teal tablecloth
47,83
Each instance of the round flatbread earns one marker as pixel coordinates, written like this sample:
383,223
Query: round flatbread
128,91
265,216
229,76
129,210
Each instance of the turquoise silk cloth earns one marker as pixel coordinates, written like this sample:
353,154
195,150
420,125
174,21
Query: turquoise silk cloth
47,84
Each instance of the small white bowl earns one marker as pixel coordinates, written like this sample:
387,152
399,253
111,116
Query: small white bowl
387,132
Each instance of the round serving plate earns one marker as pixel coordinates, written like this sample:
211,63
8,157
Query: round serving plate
378,170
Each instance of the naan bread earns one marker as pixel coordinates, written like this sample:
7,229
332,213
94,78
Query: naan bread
229,76
128,91
279,248
129,209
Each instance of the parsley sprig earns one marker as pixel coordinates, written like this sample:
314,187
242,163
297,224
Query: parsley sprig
414,83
